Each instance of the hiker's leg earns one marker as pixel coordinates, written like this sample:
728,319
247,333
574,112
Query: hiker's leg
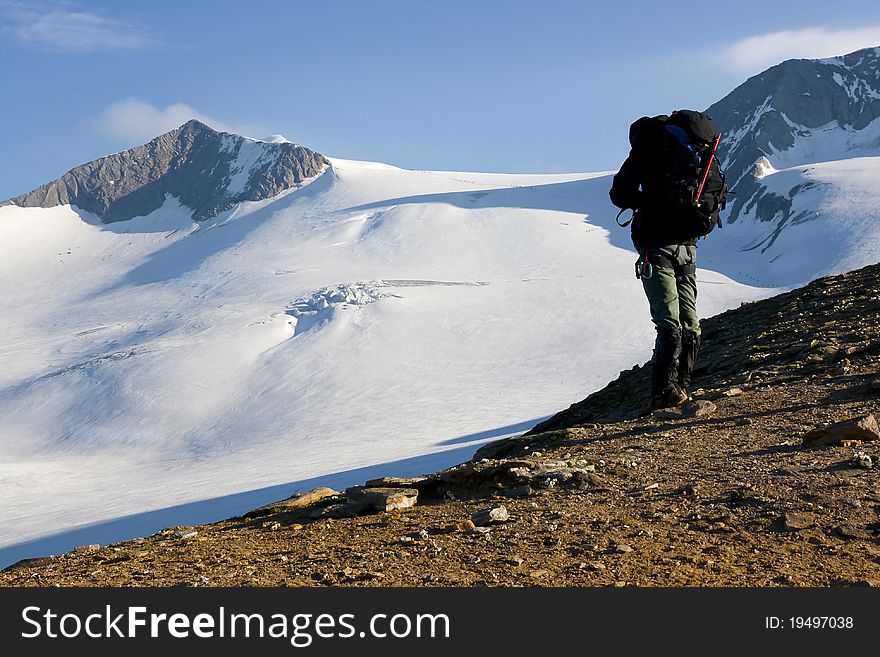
665,390
690,322
686,288
662,293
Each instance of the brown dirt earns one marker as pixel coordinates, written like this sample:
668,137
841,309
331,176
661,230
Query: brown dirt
636,501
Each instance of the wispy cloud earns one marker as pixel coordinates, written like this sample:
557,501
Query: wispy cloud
134,121
63,29
754,54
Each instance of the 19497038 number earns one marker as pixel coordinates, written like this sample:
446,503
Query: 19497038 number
820,622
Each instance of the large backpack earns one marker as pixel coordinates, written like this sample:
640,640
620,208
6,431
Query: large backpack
680,147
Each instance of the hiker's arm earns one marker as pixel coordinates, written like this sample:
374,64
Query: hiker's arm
625,192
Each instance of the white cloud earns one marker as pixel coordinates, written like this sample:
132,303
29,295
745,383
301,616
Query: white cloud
56,30
754,54
134,121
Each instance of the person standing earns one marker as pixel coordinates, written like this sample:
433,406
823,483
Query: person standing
673,184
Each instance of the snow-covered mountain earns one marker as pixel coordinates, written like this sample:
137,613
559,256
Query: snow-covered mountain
800,150
799,112
207,323
205,170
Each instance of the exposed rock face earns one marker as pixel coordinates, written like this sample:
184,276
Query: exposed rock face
792,114
208,171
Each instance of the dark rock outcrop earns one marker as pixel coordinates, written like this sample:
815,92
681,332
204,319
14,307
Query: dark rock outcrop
206,170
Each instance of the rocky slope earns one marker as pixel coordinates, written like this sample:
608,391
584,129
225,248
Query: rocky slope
733,489
206,170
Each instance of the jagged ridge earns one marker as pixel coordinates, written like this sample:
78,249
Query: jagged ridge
206,170
793,103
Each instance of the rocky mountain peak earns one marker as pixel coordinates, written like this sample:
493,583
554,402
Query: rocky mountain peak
207,170
797,112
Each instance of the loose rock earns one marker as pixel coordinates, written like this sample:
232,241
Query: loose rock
851,531
698,408
296,501
395,482
383,499
345,510
519,491
477,531
858,429
792,522
490,515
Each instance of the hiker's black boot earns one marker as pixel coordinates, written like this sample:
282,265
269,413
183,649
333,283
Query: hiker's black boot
690,347
672,395
665,391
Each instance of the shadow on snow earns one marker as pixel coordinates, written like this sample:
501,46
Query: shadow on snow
236,504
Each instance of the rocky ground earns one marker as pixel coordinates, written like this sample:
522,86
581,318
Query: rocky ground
736,488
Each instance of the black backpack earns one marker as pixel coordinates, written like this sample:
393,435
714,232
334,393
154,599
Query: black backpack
690,189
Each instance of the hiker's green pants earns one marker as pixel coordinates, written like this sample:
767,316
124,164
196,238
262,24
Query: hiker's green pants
673,299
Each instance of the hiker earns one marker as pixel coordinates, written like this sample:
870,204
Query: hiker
673,184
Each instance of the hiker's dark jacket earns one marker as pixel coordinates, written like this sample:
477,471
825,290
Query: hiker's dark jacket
637,186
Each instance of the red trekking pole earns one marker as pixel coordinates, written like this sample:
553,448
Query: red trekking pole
699,194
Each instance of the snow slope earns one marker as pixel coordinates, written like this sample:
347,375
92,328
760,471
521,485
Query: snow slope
159,371
804,221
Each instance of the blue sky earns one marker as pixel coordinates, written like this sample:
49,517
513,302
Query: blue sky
463,85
